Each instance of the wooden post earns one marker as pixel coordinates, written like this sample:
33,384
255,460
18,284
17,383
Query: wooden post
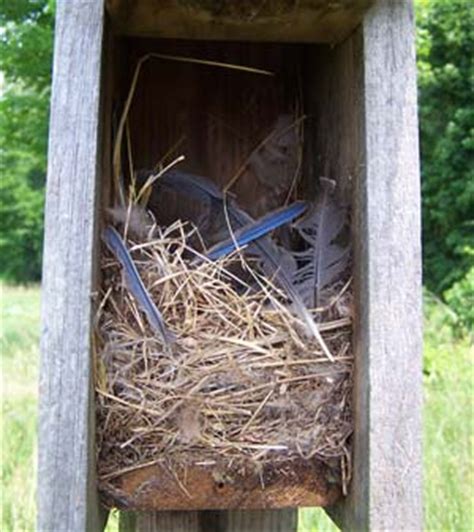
67,495
386,489
211,521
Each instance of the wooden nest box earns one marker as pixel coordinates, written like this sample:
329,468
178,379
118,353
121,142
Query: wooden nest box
349,67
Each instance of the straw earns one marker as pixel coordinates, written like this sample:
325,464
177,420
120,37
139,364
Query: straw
241,385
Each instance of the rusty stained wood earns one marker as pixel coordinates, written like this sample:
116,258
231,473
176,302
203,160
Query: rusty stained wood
67,494
309,483
328,21
386,490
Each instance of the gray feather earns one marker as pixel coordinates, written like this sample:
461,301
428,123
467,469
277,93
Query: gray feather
274,164
325,258
276,263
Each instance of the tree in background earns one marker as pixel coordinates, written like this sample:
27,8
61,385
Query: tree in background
25,62
446,81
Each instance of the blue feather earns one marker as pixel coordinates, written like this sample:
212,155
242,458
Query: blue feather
257,229
135,284
272,257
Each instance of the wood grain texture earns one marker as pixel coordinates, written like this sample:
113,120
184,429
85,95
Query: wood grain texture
160,521
218,116
284,520
332,92
277,21
386,491
67,498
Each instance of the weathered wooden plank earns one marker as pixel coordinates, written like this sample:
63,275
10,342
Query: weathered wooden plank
284,21
332,88
284,520
386,487
67,498
160,521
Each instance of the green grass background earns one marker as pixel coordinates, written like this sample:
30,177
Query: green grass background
448,419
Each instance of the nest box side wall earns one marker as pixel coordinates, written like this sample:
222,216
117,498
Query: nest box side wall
386,490
67,494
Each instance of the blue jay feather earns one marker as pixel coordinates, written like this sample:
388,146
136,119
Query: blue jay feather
135,284
277,263
192,185
257,229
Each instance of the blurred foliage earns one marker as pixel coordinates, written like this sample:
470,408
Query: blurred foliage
440,325
461,298
448,425
445,46
26,39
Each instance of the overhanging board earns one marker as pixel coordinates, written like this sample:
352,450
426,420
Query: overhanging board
326,21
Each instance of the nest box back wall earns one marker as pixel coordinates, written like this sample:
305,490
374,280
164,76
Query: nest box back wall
217,117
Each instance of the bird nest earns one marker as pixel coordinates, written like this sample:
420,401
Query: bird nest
240,384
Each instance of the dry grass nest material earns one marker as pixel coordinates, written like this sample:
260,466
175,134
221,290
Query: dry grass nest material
241,384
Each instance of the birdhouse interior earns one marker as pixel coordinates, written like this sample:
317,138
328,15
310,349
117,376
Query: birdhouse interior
228,191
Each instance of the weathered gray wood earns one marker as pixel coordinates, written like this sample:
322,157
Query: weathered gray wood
309,21
161,521
386,486
216,521
67,496
285,520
